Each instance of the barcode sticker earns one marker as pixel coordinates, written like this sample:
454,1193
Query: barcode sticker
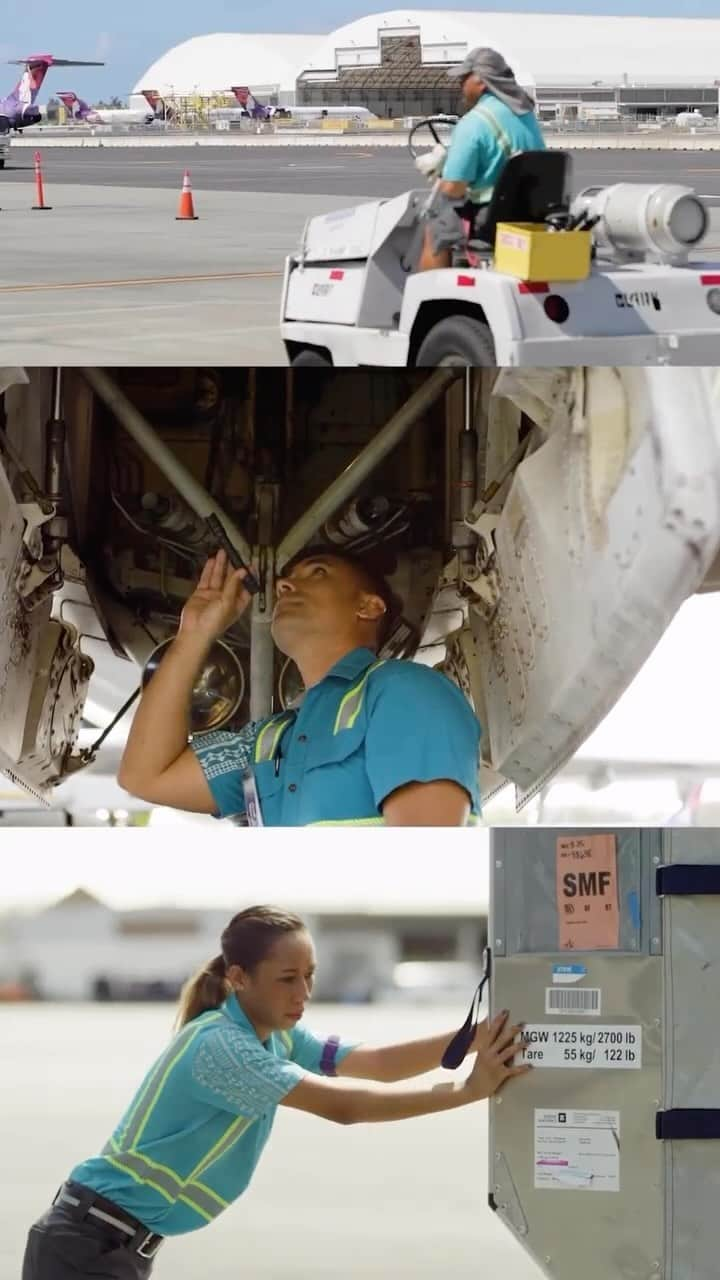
573,1000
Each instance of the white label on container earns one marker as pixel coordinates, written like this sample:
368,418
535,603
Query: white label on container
512,240
616,1047
577,1150
575,1000
566,973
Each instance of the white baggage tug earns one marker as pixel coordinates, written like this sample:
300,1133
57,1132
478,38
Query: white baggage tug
604,278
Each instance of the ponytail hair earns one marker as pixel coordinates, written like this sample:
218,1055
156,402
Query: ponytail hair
206,990
245,942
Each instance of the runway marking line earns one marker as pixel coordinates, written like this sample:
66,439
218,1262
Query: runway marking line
123,284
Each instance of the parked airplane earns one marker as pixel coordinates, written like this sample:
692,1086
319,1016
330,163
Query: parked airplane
248,107
84,114
332,113
19,109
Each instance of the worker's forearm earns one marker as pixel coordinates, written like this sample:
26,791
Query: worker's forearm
453,190
415,1058
369,1105
161,724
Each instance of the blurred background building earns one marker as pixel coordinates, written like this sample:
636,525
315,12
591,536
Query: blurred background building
80,948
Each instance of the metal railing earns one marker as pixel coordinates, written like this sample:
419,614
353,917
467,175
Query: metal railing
270,128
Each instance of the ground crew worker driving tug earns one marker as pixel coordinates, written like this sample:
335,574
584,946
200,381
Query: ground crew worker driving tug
372,742
188,1144
500,122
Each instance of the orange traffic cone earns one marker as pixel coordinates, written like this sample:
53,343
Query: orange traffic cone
39,189
186,208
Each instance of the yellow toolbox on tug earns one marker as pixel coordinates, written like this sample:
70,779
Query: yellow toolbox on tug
533,252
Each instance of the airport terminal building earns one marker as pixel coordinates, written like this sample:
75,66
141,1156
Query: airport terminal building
394,64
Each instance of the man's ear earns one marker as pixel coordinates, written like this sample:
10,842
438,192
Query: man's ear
371,608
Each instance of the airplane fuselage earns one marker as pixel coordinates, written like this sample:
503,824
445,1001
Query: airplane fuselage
119,116
12,117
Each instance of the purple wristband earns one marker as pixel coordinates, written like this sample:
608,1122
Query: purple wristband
329,1054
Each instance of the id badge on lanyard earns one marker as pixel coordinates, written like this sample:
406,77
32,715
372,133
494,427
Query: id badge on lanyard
253,808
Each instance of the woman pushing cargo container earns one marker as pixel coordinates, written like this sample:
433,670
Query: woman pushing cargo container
190,1141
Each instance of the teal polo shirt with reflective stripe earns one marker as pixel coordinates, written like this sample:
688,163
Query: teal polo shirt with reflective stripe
366,729
190,1140
483,141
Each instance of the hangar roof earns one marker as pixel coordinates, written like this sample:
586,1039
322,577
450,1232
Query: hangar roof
211,63
542,48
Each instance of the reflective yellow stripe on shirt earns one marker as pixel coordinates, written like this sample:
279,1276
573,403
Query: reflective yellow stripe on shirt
472,821
483,195
350,707
125,1156
269,737
500,133
138,1116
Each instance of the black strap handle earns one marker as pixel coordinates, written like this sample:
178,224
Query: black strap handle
458,1047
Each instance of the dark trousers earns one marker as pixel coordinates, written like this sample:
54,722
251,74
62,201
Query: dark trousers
62,1247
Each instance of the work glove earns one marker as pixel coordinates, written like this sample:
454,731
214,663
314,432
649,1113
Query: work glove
431,163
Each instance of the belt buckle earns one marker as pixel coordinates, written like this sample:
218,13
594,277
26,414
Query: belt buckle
141,1249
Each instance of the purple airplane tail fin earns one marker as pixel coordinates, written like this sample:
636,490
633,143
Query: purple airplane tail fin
160,108
75,106
20,106
249,102
27,88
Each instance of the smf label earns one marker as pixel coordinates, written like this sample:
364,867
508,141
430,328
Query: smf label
605,1047
587,892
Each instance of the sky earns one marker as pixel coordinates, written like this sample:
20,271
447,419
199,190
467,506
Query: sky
670,711
130,37
302,870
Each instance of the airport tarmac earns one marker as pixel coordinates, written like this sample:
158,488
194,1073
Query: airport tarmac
345,171
108,276
407,1200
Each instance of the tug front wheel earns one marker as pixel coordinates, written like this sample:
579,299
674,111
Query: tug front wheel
457,340
310,359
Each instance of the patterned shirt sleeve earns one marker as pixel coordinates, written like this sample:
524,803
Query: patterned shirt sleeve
420,729
234,1072
223,757
320,1054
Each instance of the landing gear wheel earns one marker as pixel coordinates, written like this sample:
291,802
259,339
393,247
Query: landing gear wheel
310,359
457,340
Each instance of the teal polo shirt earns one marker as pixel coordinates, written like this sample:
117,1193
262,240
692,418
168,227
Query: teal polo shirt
483,141
366,729
190,1140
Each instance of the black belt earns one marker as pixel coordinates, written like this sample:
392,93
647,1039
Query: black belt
82,1202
